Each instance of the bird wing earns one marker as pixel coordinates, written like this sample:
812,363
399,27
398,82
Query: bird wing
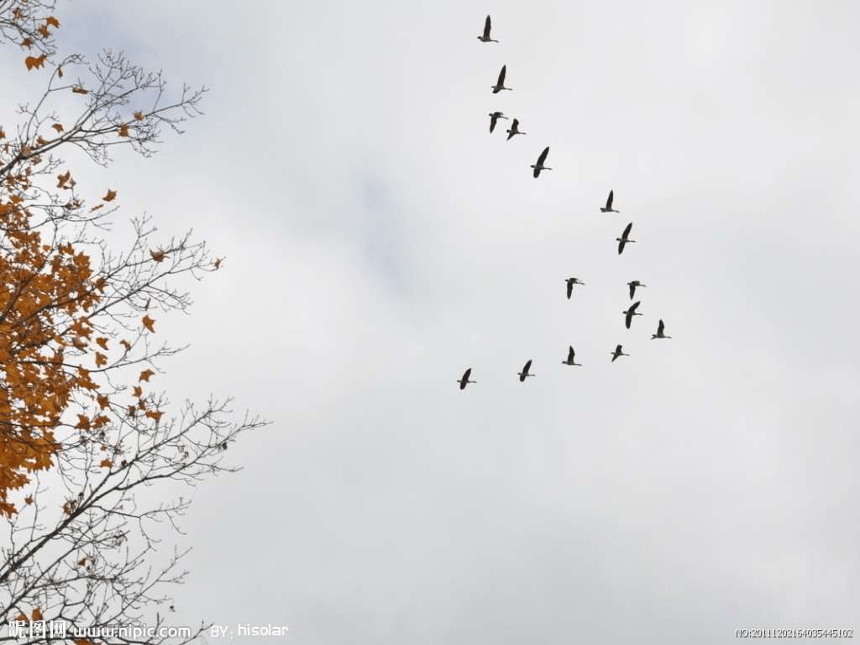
635,306
467,374
627,230
543,155
627,318
660,328
501,80
487,26
632,286
527,366
609,200
493,118
618,349
569,288
571,354
620,246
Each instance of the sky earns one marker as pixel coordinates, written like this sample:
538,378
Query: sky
379,241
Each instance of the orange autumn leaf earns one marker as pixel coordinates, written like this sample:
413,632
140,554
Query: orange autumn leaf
77,89
27,42
33,62
137,391
154,414
95,208
58,127
60,72
41,141
125,344
106,463
131,410
138,116
111,195
101,359
149,323
2,134
83,422
103,401
102,342
20,618
158,256
37,614
145,374
43,31
123,130
63,179
52,21
28,500
218,263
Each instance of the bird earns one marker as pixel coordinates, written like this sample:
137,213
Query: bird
608,208
633,284
617,353
570,355
623,239
500,84
630,313
464,381
485,37
570,283
539,165
525,373
495,116
514,131
660,333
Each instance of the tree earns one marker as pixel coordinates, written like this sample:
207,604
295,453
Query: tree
81,432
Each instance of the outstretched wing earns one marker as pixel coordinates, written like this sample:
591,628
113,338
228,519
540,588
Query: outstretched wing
609,199
621,246
627,230
543,155
618,349
467,374
569,288
527,366
493,118
501,80
627,318
635,306
487,26
570,354
632,289
660,328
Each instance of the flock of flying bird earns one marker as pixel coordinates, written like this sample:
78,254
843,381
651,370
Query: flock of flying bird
623,241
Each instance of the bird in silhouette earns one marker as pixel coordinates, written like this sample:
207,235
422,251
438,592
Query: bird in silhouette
617,353
633,285
500,84
485,37
464,380
514,130
624,239
539,165
525,373
608,208
628,315
660,334
495,116
570,358
570,282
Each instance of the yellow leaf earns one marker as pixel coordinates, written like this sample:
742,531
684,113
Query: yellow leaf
111,195
149,323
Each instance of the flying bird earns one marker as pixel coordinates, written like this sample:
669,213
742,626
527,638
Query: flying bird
539,165
464,381
500,84
525,373
628,315
514,131
570,355
617,353
633,284
660,333
624,239
495,116
570,283
485,37
608,208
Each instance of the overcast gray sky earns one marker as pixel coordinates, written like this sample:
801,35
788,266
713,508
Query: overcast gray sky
379,241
